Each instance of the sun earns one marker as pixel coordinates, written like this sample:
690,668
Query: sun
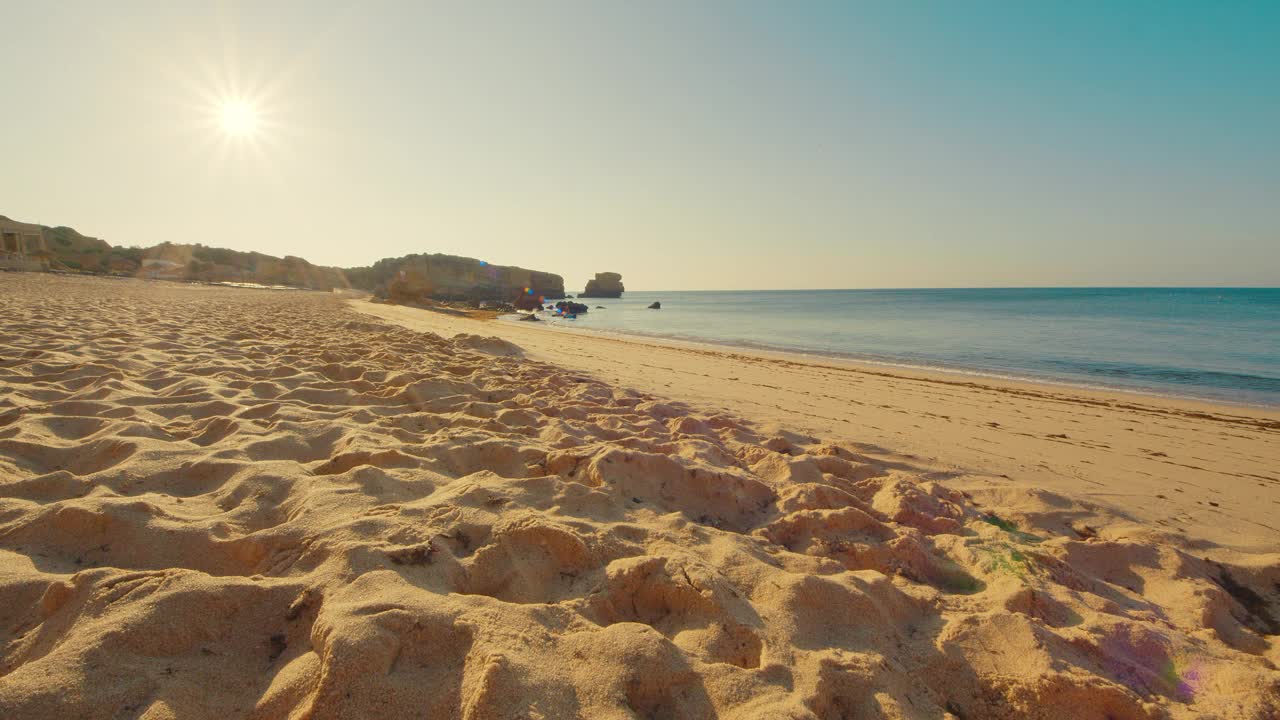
239,118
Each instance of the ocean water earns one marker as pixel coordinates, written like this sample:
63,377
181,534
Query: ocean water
1210,343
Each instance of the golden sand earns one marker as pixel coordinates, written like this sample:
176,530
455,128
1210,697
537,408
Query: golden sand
221,503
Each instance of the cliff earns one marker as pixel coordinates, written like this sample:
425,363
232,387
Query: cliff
604,285
451,277
200,263
71,250
412,277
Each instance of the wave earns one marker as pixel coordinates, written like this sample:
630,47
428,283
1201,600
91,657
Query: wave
1177,376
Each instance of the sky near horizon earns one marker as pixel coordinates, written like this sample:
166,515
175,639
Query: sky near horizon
709,145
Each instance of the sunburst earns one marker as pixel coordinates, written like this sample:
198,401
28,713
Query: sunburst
237,114
239,118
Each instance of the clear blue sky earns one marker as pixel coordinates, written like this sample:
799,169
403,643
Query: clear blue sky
686,145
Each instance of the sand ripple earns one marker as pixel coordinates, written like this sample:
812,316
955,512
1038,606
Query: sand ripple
233,503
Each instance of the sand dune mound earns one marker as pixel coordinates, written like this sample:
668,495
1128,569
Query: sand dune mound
232,503
487,345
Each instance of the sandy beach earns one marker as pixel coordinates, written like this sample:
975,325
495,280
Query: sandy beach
222,503
1203,471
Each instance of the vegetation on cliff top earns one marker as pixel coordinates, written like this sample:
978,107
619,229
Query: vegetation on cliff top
416,276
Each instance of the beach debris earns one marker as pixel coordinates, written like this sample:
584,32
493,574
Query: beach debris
529,318
655,305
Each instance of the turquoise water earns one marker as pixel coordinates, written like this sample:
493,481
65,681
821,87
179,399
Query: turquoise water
1211,343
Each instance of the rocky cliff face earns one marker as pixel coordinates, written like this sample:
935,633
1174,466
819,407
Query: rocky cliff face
450,277
70,250
207,264
80,252
412,277
604,285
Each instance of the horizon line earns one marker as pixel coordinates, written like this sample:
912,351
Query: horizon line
976,287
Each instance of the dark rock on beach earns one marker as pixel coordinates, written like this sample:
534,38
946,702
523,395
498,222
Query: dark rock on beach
528,302
656,305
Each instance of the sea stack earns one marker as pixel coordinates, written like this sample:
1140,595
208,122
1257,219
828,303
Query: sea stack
604,285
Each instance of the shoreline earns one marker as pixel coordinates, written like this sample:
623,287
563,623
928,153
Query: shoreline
1167,463
869,364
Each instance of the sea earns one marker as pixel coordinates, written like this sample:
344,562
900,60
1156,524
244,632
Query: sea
1217,344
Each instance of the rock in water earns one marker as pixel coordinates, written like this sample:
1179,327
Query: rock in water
571,307
656,305
605,285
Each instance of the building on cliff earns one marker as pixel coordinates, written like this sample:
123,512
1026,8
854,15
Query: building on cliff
22,246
